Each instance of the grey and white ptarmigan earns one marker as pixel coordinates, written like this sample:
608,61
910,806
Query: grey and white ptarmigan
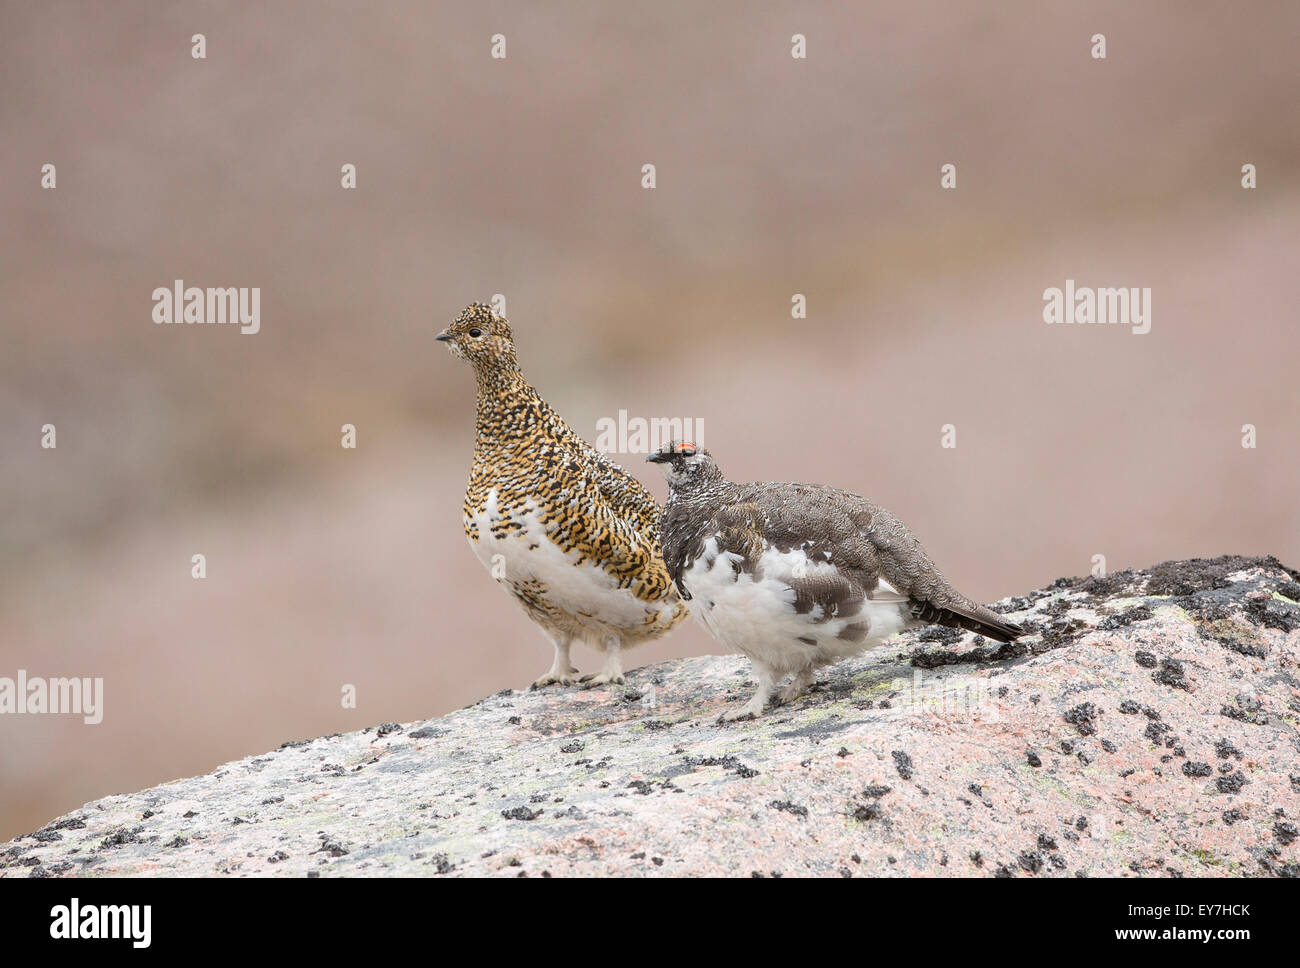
798,576
573,536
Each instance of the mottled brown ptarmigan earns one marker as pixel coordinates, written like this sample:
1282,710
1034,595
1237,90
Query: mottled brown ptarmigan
798,576
571,535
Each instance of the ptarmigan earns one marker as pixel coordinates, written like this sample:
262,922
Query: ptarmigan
572,535
798,576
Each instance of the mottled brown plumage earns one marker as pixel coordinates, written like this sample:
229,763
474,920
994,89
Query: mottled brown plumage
572,535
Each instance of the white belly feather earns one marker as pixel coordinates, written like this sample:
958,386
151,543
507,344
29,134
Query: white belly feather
526,554
759,619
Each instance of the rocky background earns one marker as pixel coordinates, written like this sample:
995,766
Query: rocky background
1148,727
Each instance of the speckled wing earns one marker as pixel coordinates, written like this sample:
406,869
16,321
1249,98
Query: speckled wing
871,550
619,528
626,496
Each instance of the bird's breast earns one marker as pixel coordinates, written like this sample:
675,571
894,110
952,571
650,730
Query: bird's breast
518,546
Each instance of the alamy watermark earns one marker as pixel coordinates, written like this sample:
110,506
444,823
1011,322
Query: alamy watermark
75,921
642,435
1084,305
54,697
182,304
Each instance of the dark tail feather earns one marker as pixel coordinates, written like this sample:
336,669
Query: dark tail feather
975,618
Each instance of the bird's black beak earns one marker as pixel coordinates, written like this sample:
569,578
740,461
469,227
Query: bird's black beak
659,458
443,336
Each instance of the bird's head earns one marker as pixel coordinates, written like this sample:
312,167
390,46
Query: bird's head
482,337
685,465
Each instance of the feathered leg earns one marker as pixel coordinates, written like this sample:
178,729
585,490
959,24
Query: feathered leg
766,681
562,670
612,673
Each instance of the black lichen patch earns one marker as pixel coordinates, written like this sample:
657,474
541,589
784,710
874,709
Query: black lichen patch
77,822
386,729
1274,614
1194,768
1057,608
935,658
74,823
1155,731
870,810
1060,633
1197,574
940,633
1236,637
330,846
1231,783
1233,816
1224,749
1146,660
1172,674
1247,709
441,864
729,762
121,837
1030,861
867,811
1118,583
1171,578
1285,832
1130,707
430,732
1033,759
1141,613
1210,607
789,806
1083,717
903,763
521,813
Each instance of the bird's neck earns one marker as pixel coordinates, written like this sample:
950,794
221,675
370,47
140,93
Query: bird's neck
507,406
698,494
497,374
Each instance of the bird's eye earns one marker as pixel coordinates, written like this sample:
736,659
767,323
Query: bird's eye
476,333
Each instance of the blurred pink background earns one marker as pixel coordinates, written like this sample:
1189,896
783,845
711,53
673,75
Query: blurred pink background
523,177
